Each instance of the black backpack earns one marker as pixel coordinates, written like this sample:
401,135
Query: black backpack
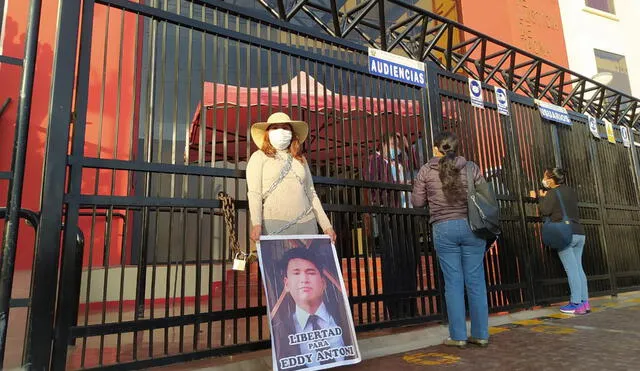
484,211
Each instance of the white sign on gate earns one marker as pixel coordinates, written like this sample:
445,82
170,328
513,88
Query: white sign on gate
395,67
624,132
502,101
593,126
475,91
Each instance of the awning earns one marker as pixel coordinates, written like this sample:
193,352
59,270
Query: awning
337,122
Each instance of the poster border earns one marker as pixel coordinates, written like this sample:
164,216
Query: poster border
274,361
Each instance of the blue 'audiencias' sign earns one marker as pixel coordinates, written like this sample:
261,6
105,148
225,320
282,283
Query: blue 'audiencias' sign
397,68
554,113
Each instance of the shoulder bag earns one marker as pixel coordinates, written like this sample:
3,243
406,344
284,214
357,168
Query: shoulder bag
557,235
484,211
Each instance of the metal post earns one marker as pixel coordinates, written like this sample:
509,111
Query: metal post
635,164
73,241
555,139
47,251
603,214
435,105
513,147
10,238
435,120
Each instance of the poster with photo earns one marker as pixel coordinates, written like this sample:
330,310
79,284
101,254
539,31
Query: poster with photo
308,308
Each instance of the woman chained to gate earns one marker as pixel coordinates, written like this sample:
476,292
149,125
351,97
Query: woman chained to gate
282,197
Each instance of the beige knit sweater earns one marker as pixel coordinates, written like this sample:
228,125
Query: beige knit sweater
287,201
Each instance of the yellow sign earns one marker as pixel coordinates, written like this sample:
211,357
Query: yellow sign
610,135
431,359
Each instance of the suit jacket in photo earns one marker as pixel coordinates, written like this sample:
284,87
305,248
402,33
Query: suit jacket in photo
284,324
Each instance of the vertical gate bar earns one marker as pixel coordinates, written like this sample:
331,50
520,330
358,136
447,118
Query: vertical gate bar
435,118
114,173
131,176
384,194
201,79
247,154
363,163
212,252
357,229
513,145
249,141
635,166
40,321
141,275
555,139
414,220
103,84
159,188
236,182
595,158
224,153
434,104
14,199
370,102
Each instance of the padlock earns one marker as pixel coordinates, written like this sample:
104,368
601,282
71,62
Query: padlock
239,262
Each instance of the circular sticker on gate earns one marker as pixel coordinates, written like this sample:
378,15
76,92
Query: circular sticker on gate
476,89
502,97
625,134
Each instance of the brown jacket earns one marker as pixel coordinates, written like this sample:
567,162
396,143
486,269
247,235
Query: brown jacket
427,188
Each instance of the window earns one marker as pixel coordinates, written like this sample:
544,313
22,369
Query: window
604,5
617,66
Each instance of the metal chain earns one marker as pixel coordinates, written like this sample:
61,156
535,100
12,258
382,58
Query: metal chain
229,212
283,173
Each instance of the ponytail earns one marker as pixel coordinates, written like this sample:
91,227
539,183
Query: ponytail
452,185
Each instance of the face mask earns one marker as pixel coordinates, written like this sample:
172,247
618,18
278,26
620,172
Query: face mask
280,138
393,153
545,183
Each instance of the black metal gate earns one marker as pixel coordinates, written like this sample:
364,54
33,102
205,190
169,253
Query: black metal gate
513,152
151,120
148,192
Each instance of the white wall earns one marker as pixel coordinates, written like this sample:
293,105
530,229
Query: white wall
586,29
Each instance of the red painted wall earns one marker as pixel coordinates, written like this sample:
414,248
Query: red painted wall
109,119
532,25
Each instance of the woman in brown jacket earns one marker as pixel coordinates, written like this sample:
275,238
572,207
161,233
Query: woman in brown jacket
442,184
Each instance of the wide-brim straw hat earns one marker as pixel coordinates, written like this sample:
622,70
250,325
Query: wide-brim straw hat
300,128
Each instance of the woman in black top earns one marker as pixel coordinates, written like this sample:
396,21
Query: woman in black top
571,256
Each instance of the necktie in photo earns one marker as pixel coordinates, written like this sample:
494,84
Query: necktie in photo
315,325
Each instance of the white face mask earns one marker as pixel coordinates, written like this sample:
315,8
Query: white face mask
545,183
280,138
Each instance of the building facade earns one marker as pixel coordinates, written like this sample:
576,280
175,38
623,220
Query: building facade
599,37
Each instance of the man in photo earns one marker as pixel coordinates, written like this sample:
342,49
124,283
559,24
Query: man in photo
311,318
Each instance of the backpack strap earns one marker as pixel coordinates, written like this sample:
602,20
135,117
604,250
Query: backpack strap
565,218
471,184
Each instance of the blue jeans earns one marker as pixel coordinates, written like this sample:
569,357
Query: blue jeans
461,256
571,258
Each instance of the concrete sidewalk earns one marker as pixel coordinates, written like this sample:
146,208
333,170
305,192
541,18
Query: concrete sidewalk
540,339
606,339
